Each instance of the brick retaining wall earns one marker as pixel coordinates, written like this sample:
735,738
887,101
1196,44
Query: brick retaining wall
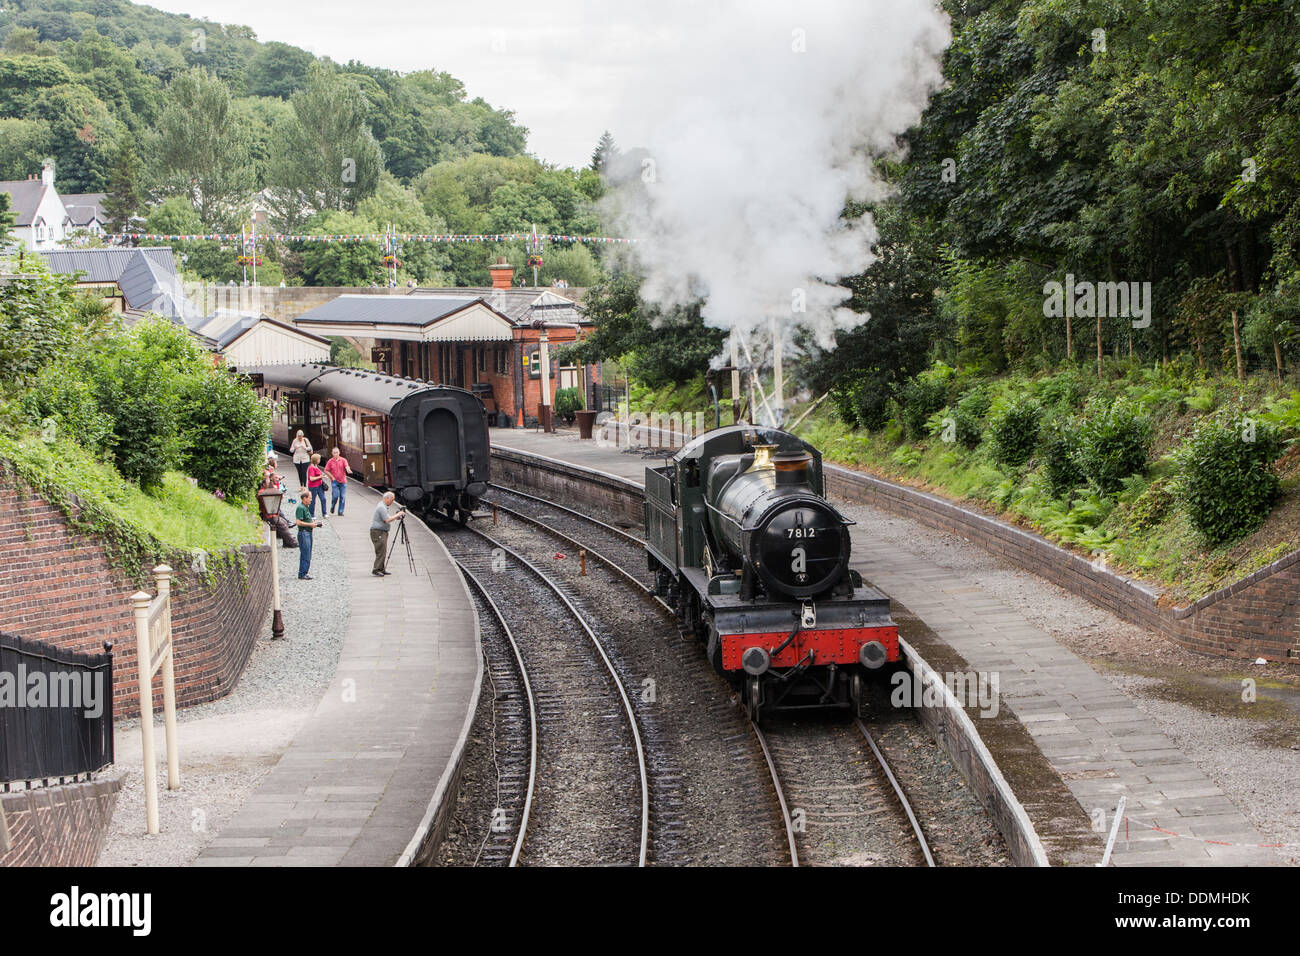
1258,616
59,587
58,826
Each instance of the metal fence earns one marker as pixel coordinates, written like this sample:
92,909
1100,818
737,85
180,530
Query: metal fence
605,398
56,711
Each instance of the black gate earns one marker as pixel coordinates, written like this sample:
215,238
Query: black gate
56,710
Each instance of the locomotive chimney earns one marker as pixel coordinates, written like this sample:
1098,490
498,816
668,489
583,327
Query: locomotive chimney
792,469
502,273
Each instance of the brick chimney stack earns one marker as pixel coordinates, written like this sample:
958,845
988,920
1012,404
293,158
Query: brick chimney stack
502,273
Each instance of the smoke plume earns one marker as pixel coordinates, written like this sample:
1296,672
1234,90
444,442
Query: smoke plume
745,128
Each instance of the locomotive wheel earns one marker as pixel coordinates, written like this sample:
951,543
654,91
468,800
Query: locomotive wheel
754,699
462,515
858,694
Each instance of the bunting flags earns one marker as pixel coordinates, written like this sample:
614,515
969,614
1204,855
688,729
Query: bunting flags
370,237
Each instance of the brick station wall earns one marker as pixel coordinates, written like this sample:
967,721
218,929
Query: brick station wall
59,587
58,826
1258,616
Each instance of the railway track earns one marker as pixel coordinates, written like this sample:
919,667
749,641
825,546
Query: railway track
707,773
817,771
587,802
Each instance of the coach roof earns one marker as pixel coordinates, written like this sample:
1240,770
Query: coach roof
355,386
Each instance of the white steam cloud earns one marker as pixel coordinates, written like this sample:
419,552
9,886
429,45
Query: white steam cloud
745,128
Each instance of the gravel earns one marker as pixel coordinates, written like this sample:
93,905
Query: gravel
227,746
1249,751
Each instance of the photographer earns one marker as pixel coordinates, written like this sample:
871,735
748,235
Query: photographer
384,515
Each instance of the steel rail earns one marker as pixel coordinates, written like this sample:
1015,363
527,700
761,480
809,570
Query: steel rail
532,709
898,792
663,607
609,666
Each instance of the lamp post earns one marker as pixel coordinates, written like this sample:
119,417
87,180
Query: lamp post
268,502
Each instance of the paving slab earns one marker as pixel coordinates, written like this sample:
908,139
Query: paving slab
356,784
1075,716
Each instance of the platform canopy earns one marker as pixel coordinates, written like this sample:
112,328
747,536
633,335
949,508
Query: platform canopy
407,318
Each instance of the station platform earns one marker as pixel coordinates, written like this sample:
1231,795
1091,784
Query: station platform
1096,738
361,781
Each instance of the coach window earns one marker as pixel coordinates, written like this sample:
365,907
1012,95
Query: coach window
372,438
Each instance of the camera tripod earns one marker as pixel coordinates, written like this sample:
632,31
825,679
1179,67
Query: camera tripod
403,537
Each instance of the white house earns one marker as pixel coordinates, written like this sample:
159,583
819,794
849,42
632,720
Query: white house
40,218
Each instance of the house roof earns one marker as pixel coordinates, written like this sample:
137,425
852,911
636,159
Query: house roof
85,208
24,198
387,309
521,306
147,277
249,322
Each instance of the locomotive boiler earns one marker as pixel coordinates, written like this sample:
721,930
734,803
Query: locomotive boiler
745,546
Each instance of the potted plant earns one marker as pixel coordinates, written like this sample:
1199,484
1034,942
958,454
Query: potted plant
568,401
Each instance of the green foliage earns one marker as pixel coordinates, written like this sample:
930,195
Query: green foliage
922,397
37,323
223,427
661,347
1013,432
1113,444
1225,483
969,417
1152,505
1060,453
568,401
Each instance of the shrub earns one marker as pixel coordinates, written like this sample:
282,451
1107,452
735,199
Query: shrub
1013,432
922,397
1152,505
1113,445
223,426
568,401
863,402
969,417
1060,452
1225,483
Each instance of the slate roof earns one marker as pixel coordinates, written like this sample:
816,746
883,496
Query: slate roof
146,276
387,309
84,208
521,306
24,198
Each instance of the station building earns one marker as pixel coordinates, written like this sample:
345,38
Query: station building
487,340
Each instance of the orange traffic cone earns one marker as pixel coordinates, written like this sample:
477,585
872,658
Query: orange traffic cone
521,418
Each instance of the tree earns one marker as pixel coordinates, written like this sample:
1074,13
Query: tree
605,151
124,201
223,427
201,152
6,218
278,69
22,143
662,347
325,158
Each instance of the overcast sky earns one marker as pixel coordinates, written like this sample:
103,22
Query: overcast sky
523,56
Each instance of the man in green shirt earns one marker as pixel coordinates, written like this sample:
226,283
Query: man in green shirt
306,525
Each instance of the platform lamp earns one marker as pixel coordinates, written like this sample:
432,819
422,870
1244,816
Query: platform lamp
268,502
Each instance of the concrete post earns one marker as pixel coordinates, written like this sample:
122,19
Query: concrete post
163,576
141,601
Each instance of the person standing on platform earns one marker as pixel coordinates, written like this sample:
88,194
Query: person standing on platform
338,469
301,451
383,517
316,479
306,526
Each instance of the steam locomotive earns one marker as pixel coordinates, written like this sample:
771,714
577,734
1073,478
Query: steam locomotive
745,546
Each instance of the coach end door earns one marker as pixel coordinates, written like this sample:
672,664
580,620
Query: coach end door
372,450
442,446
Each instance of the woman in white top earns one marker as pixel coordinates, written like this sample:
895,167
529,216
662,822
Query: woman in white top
301,450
